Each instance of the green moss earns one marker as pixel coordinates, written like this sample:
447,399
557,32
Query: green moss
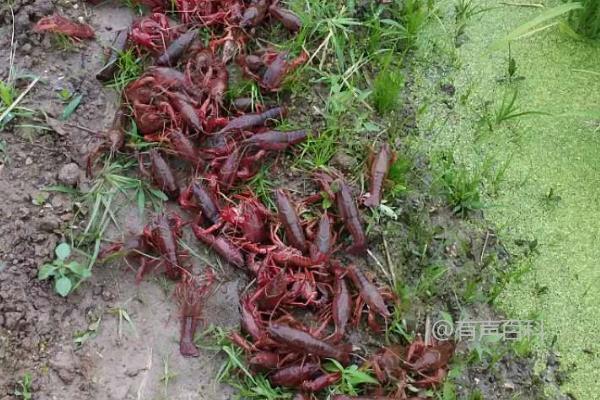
557,153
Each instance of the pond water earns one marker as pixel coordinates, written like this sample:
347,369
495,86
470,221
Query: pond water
550,192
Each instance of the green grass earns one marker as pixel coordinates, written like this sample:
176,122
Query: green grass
23,389
234,370
398,176
63,42
460,186
356,57
168,375
130,67
8,96
386,90
508,109
262,186
244,88
586,21
413,15
111,190
352,378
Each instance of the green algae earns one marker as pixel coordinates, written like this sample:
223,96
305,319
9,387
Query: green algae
550,191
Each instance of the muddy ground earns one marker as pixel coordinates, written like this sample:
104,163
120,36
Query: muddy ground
120,360
38,328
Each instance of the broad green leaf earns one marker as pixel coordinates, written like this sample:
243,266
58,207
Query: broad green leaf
357,377
63,251
63,286
79,270
46,271
71,107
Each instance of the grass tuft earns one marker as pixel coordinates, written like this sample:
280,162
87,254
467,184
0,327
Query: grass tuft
461,187
586,21
386,90
130,67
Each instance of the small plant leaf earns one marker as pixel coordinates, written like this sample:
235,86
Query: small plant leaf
63,286
79,270
63,251
71,107
512,67
387,211
159,194
6,94
46,271
141,201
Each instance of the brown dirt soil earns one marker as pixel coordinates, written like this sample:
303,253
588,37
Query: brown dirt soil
37,327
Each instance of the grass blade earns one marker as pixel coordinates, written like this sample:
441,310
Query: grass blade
71,107
531,27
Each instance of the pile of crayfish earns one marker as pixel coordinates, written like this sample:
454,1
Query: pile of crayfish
305,296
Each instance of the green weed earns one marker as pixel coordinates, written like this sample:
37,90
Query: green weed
496,175
524,347
71,107
262,186
428,282
511,70
81,337
461,187
586,21
23,389
384,35
551,199
122,316
168,375
9,97
398,176
447,391
65,95
397,329
99,204
130,67
508,109
330,25
317,151
63,42
487,349
67,275
413,15
352,377
464,10
235,372
111,190
386,90
245,88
